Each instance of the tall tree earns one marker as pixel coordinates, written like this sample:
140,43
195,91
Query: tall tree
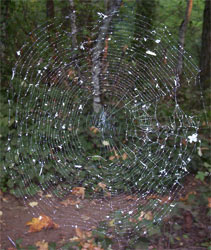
113,6
50,8
205,65
4,34
182,31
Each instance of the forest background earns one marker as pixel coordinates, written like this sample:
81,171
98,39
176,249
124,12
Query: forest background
20,17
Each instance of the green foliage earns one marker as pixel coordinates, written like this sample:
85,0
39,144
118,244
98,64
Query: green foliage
23,179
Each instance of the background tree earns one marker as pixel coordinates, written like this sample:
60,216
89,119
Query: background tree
50,8
205,65
182,31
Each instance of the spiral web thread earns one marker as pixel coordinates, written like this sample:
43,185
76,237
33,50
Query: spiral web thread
132,146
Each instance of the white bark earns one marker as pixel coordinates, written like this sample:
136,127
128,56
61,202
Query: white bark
98,49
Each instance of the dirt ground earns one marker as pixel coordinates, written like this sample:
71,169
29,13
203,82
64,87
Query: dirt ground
86,215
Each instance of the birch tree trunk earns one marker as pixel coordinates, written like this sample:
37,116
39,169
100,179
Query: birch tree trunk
113,6
182,31
73,23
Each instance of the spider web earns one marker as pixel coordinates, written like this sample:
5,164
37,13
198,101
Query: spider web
130,156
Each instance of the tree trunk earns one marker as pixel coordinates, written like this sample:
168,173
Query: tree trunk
205,65
50,9
96,59
73,23
182,31
3,35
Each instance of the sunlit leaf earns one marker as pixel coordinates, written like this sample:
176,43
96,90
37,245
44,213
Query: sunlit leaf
209,202
42,245
106,143
111,223
33,204
41,222
69,201
79,192
124,156
94,130
102,185
148,216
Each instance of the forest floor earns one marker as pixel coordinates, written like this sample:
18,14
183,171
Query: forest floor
188,227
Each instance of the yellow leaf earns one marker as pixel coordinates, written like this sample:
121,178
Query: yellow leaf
111,223
42,245
41,222
106,143
102,185
33,204
84,217
148,216
140,218
75,238
79,192
48,195
124,156
1,213
79,233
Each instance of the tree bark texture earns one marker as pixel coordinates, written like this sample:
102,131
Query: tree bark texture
50,9
205,65
97,52
73,23
182,31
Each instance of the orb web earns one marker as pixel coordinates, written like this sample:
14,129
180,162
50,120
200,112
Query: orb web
126,158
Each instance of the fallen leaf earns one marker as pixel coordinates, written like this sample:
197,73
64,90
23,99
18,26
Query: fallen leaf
133,220
33,204
79,192
186,196
152,197
41,222
84,217
148,216
102,185
48,195
140,218
124,156
42,245
111,223
69,201
209,202
5,199
131,198
75,238
112,157
94,130
1,213
79,233
93,203
106,143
